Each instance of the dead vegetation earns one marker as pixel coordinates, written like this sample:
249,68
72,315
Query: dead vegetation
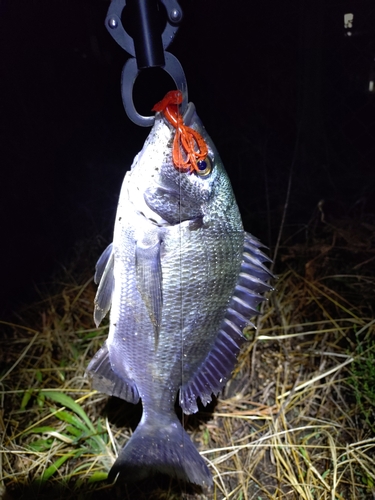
296,421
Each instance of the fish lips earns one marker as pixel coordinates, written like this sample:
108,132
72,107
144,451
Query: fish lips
168,204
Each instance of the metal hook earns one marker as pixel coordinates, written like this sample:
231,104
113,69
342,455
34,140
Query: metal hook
114,25
147,48
129,75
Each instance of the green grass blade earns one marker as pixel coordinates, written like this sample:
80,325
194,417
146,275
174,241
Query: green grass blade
98,476
71,419
26,398
68,402
41,445
39,430
55,466
77,433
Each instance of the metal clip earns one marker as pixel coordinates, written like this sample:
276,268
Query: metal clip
147,48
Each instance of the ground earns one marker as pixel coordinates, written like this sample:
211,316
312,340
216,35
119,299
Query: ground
295,422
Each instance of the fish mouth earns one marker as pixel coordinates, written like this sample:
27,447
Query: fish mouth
187,116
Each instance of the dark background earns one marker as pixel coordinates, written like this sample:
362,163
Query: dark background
282,88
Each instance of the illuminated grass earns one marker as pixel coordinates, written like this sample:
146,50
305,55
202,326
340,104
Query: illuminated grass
295,422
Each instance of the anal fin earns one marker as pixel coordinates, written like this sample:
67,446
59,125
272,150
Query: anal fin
104,379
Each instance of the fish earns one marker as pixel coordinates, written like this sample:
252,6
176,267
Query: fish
181,279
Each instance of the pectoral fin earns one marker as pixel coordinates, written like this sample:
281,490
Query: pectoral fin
102,263
104,274
150,279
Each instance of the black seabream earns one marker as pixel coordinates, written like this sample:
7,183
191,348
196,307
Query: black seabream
182,279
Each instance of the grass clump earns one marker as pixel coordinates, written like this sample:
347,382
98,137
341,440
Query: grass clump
75,430
362,380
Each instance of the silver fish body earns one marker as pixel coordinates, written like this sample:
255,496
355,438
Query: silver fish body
182,279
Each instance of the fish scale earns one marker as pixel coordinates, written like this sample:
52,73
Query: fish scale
182,279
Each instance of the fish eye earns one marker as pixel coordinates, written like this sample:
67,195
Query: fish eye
204,167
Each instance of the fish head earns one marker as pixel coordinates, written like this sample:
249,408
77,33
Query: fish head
165,194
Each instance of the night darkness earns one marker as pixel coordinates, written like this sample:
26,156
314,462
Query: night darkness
276,84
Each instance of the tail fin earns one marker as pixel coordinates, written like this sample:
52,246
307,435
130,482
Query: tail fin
162,447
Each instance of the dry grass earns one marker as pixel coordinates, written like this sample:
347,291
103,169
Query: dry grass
296,421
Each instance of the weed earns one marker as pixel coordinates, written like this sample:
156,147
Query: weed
362,379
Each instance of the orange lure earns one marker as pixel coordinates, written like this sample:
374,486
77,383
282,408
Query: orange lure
189,147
